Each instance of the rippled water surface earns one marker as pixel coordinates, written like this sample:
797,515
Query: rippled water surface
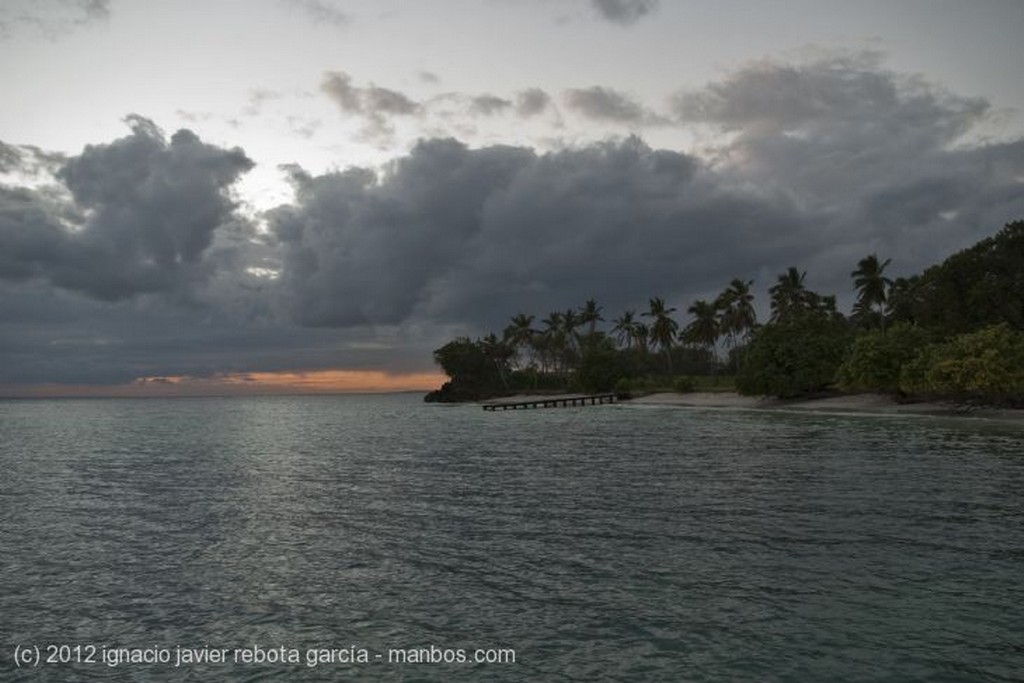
601,543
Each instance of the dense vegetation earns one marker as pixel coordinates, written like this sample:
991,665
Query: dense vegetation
954,332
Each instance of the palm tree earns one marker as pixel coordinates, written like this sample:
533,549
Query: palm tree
642,335
624,328
663,328
862,314
520,333
871,284
740,316
553,321
789,295
703,330
552,341
737,316
590,315
904,299
570,321
498,352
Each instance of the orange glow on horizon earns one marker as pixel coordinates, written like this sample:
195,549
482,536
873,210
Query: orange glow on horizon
243,383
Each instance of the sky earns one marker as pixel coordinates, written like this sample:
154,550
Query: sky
311,195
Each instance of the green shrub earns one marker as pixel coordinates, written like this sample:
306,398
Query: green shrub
986,366
877,358
796,357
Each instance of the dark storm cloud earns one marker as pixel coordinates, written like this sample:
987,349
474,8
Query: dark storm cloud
827,161
605,104
141,214
624,12
29,235
51,335
455,234
375,104
357,251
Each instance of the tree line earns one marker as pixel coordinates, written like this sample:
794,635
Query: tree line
955,331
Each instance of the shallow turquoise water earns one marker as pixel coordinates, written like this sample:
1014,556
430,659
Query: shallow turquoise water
600,543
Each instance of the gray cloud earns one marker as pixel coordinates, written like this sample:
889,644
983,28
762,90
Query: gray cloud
304,127
50,335
377,100
10,157
828,161
875,153
624,12
849,93
338,86
375,104
453,234
456,109
605,104
28,161
95,9
488,105
258,97
347,230
141,214
531,102
320,12
50,19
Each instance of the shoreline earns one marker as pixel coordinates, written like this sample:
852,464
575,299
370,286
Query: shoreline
854,404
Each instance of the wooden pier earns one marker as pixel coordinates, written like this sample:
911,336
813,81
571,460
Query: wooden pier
551,402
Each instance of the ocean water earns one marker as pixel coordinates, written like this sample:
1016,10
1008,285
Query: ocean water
380,538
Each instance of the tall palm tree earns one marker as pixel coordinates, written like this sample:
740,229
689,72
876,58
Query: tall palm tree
570,321
519,333
553,321
789,295
590,315
737,317
498,352
552,340
742,318
642,336
871,284
904,299
704,329
624,328
663,327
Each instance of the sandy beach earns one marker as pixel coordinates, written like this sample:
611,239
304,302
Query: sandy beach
855,403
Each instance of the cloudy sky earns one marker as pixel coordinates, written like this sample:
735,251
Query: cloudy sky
272,195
